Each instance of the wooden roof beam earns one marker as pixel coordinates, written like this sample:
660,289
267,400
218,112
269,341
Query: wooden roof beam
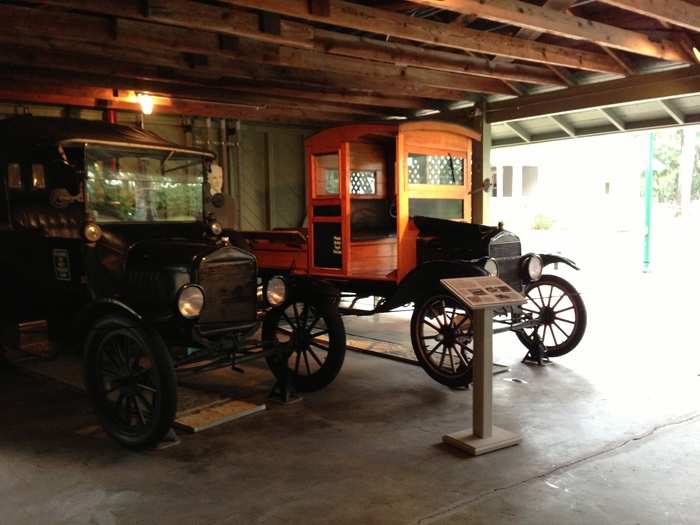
566,25
666,84
676,12
615,120
564,125
519,131
133,28
674,112
383,22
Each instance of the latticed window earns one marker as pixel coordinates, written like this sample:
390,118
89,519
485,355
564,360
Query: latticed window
435,169
363,182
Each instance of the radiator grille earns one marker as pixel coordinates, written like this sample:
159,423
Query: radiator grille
230,291
507,255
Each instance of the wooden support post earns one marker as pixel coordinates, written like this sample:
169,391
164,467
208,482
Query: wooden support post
483,437
481,166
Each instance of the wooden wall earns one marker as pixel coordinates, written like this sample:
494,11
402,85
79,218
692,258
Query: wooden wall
270,172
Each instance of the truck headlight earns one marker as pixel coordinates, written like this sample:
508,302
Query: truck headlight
215,228
534,267
190,301
276,291
491,266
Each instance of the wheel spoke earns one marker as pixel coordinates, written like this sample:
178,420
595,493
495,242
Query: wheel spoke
444,312
146,388
429,336
298,361
315,357
313,324
431,325
557,318
551,331
559,300
285,331
306,362
539,291
464,320
289,321
434,349
318,334
562,331
436,315
564,310
452,360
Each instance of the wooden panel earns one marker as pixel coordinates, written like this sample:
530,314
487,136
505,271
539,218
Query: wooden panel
369,157
287,178
373,258
252,178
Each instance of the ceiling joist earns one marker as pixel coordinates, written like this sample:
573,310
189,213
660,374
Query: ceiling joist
565,25
675,12
383,22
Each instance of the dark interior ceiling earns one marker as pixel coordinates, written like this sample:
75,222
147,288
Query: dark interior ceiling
327,61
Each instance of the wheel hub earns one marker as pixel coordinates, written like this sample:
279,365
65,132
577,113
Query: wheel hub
547,315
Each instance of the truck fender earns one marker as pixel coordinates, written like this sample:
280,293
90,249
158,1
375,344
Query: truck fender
426,278
548,259
99,308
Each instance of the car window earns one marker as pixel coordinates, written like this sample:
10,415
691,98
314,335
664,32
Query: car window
14,176
327,169
435,169
140,185
38,177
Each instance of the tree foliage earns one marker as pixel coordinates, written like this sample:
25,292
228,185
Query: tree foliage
667,151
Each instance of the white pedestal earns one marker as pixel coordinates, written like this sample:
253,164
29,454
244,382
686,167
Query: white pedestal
483,437
475,445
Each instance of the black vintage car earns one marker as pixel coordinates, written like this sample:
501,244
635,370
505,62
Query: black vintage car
108,235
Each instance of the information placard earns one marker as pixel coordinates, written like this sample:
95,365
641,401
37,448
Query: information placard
479,293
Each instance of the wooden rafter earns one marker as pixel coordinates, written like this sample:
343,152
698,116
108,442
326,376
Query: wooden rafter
655,86
381,21
19,22
562,24
676,12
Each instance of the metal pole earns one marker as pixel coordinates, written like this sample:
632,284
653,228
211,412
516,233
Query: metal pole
648,193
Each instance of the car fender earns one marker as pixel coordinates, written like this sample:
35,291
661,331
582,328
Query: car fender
548,259
426,278
99,308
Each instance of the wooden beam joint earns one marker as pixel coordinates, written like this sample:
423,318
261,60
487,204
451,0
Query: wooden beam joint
270,23
320,7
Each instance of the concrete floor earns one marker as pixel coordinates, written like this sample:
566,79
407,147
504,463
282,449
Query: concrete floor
611,434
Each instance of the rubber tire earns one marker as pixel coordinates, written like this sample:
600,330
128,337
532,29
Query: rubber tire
459,381
581,316
336,341
165,370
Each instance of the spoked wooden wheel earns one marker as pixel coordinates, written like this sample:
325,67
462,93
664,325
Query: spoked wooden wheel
443,339
131,381
316,334
558,307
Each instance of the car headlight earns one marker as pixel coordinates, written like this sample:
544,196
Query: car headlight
491,266
190,301
276,291
534,267
215,228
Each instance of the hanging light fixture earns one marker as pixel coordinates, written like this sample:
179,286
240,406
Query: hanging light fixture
146,103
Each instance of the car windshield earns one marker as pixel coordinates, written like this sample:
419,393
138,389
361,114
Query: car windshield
143,185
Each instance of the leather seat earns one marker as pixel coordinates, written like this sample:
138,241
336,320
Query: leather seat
51,222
